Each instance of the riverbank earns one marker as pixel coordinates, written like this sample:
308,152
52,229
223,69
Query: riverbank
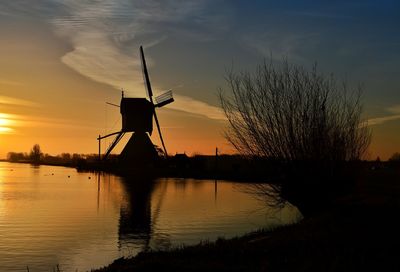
226,167
359,233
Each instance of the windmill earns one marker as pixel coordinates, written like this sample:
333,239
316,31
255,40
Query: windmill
137,117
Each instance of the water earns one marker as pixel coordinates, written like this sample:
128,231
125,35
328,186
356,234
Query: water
53,216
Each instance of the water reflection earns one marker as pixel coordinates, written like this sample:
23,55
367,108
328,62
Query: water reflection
135,214
54,215
139,214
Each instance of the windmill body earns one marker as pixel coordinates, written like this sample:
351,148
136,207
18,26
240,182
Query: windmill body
137,117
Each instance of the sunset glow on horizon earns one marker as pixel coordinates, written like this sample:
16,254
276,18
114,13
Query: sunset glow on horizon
5,123
60,62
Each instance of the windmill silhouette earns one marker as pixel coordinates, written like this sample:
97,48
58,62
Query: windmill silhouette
137,117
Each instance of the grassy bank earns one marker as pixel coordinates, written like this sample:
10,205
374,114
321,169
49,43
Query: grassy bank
360,233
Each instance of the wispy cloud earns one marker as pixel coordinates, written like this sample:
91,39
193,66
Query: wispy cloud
7,100
395,115
382,120
198,107
105,37
16,123
394,109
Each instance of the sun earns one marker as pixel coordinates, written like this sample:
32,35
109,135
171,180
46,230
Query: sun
5,124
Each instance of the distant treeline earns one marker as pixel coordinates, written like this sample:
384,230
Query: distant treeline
203,166
44,158
222,166
36,156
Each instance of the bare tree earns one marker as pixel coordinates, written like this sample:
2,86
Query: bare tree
300,118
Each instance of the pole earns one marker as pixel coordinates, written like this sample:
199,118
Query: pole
216,160
216,175
99,147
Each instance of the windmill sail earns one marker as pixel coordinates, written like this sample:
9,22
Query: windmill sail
159,132
164,99
146,75
150,93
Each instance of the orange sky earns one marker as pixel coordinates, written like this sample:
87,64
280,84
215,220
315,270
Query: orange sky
44,101
58,69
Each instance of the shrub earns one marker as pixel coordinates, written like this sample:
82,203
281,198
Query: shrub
307,121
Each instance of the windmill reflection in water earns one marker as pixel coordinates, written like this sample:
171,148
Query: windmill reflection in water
139,212
138,217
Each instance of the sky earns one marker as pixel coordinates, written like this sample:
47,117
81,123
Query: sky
60,61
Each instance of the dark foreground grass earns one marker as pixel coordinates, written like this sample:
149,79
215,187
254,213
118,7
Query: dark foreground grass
361,233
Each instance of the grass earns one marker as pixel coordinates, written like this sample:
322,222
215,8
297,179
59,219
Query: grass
360,233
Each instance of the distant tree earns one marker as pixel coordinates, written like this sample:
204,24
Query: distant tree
36,153
395,157
76,156
66,157
15,156
308,122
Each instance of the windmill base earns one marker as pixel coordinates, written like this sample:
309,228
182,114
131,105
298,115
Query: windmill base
138,151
